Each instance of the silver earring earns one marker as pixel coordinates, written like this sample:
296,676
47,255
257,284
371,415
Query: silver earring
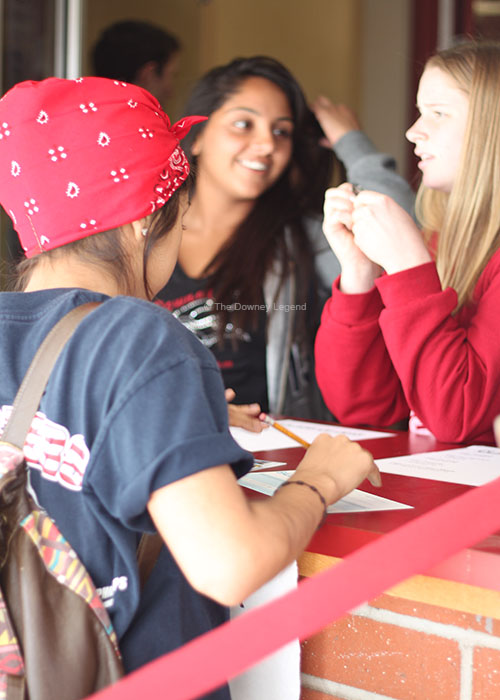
144,231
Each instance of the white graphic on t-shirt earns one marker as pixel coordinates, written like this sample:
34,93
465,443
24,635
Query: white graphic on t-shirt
198,315
107,593
50,448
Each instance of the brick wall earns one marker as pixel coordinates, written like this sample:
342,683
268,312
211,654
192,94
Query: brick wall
405,650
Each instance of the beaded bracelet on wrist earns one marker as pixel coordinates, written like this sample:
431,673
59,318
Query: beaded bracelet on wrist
314,489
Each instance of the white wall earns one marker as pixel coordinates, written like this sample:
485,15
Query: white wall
385,71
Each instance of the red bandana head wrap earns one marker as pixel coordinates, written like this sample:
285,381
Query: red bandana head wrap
82,156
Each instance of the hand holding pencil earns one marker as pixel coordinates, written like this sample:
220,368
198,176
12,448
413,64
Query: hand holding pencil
244,415
338,458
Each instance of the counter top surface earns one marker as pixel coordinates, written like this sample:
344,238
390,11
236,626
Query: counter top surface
343,533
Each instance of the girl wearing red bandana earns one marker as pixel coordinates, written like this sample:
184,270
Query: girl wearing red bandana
132,433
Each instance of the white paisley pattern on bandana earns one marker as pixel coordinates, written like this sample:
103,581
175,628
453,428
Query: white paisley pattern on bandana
170,178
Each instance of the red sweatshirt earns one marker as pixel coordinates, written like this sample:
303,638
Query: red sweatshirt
398,348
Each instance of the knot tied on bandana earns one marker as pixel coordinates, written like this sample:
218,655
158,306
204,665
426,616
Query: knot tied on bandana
82,156
182,127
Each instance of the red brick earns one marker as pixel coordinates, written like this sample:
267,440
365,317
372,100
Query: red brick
308,694
486,679
385,659
438,614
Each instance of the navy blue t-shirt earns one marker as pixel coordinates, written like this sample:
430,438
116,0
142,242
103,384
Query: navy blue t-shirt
135,402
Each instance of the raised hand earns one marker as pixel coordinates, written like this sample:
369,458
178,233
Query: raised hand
358,271
336,120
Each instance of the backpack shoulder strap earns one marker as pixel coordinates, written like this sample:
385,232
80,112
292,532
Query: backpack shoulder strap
33,385
28,399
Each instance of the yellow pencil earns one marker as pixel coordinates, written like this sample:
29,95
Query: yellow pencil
270,421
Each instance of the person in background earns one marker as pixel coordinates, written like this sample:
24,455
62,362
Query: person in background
138,52
411,328
132,432
254,268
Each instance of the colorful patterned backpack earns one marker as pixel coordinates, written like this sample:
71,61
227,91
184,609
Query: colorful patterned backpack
56,639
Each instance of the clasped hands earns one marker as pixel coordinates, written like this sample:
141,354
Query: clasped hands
369,232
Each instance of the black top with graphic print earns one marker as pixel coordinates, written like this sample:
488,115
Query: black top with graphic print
242,363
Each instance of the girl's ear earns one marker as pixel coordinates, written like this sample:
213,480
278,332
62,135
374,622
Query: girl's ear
141,228
136,230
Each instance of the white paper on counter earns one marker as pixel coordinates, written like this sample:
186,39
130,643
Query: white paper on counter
473,466
272,439
355,502
266,464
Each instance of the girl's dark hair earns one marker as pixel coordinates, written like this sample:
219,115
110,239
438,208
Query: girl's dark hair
260,239
106,250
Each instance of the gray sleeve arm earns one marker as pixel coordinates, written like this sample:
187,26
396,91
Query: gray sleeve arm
372,170
325,262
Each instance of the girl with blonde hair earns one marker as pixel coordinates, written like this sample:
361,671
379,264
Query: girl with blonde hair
422,339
